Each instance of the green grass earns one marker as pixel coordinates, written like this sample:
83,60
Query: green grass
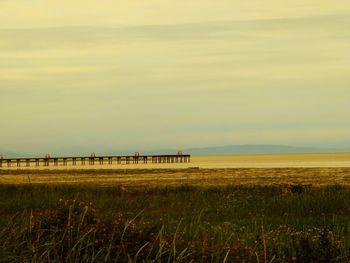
72,223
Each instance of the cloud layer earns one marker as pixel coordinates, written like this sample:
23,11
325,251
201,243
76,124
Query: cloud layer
219,74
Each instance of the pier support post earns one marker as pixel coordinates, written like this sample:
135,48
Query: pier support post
8,163
47,160
18,163
92,159
136,157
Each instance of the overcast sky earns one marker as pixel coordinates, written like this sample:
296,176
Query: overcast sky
151,74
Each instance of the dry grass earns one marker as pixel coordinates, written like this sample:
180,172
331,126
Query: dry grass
168,177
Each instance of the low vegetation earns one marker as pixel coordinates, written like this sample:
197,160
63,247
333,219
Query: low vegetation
184,223
156,177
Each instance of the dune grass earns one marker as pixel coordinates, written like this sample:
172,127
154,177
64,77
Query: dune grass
184,223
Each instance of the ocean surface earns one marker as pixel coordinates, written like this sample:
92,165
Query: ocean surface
273,160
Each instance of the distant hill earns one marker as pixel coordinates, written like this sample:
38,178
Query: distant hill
258,149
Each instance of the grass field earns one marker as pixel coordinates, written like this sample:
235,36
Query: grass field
175,215
173,177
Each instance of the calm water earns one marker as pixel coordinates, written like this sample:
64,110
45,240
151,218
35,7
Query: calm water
273,161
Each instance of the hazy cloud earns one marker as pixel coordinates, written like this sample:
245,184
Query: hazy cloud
158,82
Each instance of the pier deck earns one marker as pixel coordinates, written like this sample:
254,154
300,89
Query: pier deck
92,160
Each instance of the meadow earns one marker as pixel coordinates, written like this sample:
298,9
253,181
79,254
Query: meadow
175,215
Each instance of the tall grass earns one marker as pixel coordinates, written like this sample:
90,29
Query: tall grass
44,223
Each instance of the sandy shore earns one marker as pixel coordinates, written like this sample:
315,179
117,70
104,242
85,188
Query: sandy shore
171,177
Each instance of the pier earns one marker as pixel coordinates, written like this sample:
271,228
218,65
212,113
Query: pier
47,160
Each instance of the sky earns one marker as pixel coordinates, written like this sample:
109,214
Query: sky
155,74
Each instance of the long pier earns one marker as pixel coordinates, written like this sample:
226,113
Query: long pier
93,159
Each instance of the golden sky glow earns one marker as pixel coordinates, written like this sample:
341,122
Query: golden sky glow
151,74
